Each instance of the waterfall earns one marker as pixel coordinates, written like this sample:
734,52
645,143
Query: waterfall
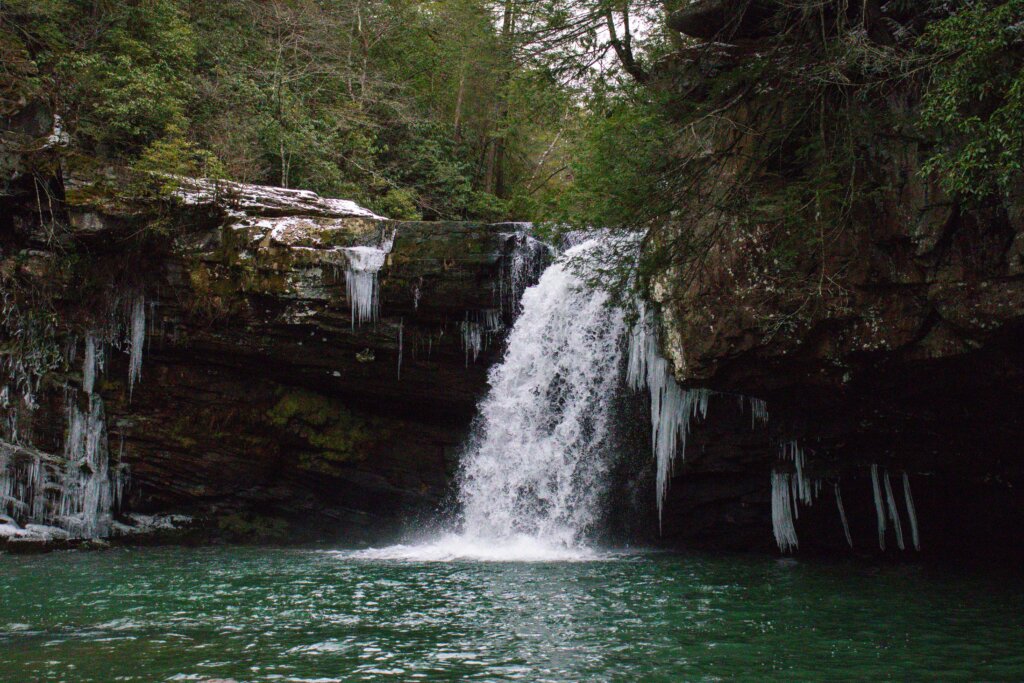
537,467
533,477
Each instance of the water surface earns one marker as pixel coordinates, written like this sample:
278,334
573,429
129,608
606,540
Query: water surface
304,615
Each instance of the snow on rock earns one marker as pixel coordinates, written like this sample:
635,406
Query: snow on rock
137,524
263,200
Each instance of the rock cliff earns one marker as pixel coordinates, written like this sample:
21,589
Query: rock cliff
273,364
894,339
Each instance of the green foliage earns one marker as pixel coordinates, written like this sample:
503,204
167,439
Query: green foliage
175,154
975,100
133,81
620,158
413,109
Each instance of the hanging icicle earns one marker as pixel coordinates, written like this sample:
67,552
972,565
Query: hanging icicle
89,364
879,512
802,483
893,512
782,513
911,512
400,326
842,516
672,407
758,411
138,339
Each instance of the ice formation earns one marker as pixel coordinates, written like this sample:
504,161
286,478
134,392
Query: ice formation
47,496
879,512
477,330
782,512
758,411
801,490
802,486
361,285
401,325
911,512
894,514
472,339
672,407
842,516
137,342
89,366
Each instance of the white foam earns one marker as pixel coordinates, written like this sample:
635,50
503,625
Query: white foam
458,547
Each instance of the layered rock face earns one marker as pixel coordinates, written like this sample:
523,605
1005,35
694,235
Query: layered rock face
900,349
305,369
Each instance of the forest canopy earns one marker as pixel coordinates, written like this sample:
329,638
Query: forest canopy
569,111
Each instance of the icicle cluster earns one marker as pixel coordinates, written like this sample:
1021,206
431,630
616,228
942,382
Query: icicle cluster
888,511
361,285
74,494
782,512
758,411
138,340
672,407
800,489
477,330
472,339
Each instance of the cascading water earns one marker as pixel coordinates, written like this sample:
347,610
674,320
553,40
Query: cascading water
533,478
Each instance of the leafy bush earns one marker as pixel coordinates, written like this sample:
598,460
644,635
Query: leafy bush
975,101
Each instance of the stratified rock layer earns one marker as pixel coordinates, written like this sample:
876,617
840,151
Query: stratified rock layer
264,410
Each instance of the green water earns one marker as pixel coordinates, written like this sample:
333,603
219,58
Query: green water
299,615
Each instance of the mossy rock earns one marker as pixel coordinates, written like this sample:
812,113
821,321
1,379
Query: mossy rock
252,528
334,434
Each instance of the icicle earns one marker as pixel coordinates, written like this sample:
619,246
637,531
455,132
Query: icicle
361,282
879,512
361,286
672,407
138,338
89,364
782,513
911,512
758,411
472,339
893,513
792,451
842,516
400,326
